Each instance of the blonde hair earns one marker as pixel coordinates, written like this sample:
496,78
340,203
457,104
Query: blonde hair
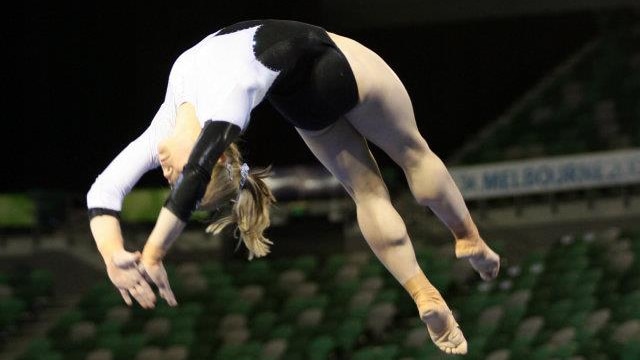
250,203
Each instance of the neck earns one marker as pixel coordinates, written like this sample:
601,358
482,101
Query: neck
187,124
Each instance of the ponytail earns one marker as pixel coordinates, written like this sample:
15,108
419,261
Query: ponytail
251,202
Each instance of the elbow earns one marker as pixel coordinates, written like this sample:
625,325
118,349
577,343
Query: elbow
101,196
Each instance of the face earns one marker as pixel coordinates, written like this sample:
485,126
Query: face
173,154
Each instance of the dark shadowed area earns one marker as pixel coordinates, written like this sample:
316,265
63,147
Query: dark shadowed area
91,78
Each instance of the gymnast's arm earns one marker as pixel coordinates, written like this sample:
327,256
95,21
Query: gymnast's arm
214,138
104,199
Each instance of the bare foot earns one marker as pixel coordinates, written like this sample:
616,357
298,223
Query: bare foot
444,330
484,260
434,312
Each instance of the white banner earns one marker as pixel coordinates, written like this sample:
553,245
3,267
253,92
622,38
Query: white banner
548,174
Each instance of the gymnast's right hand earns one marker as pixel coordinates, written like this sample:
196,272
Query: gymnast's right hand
124,274
153,270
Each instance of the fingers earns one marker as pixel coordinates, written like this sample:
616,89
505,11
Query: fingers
167,294
126,297
144,295
164,289
158,276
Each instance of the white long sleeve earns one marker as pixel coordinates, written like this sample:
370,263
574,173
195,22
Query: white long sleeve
141,155
220,77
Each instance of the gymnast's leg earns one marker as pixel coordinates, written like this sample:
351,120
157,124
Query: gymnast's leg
385,117
344,152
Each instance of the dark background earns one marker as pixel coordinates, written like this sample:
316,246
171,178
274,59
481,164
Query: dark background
91,77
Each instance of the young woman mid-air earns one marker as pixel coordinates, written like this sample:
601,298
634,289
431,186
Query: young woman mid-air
339,95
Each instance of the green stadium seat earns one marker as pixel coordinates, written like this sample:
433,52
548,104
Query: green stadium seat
247,351
100,354
348,332
143,205
11,312
294,306
469,306
321,347
489,320
113,343
157,330
526,334
630,351
627,307
256,272
52,355
38,288
390,295
306,289
262,324
387,352
184,337
36,348
58,332
211,268
332,265
150,353
307,264
501,354
243,316
380,318
309,320
252,294
183,323
17,211
274,349
82,336
282,331
109,327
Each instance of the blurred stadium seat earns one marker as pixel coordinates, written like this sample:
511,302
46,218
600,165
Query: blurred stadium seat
560,306
589,104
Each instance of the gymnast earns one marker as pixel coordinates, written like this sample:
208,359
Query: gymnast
338,94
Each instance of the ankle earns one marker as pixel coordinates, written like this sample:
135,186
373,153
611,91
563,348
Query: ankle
426,297
465,229
469,247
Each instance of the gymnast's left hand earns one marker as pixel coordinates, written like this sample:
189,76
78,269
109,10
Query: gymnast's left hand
153,270
122,269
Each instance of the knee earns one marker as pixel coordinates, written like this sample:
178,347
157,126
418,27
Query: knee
370,193
413,153
428,180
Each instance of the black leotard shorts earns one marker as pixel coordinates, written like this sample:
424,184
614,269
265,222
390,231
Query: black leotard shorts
315,85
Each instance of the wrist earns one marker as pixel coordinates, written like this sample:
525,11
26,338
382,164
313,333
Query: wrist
153,254
107,252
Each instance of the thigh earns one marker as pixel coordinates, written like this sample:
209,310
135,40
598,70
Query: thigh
384,114
388,121
345,153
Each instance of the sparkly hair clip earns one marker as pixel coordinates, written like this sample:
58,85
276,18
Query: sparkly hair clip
244,174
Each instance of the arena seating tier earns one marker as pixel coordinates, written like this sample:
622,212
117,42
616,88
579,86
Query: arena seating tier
578,299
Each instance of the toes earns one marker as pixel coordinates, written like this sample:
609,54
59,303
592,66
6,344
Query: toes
487,276
458,350
462,348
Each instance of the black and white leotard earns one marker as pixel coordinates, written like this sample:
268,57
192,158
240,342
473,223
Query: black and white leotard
296,66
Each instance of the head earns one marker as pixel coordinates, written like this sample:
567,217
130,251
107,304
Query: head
173,153
250,203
